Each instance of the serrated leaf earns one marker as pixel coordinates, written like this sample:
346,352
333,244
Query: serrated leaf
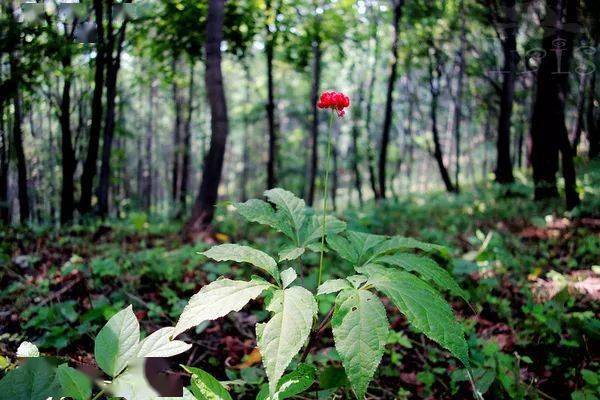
360,330
159,344
288,276
74,384
117,342
312,230
246,254
205,386
259,211
218,299
291,207
397,243
280,339
364,242
333,286
357,280
343,248
422,305
35,380
290,253
290,384
426,268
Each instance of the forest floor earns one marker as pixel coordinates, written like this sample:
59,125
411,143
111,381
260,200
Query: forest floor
532,272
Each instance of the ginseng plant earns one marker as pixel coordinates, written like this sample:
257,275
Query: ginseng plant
402,269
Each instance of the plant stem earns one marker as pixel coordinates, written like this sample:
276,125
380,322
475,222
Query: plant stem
98,395
325,196
316,334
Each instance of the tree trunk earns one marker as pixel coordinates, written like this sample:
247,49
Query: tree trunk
371,91
548,129
593,120
17,140
68,162
204,206
269,53
4,165
355,161
177,128
148,170
113,65
246,137
434,78
91,160
387,121
579,118
459,98
314,137
187,141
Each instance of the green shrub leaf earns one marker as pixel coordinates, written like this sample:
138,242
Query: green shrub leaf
205,386
360,331
218,299
423,306
117,342
291,384
74,384
280,339
35,380
291,207
245,254
160,344
333,286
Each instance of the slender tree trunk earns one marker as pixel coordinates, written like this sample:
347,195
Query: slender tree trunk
269,53
387,121
68,162
113,65
246,138
593,119
503,172
148,170
434,78
91,160
204,206
355,161
17,141
459,100
187,142
371,91
177,131
579,118
548,129
4,165
314,137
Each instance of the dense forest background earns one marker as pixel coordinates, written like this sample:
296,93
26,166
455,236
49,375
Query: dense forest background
102,119
130,130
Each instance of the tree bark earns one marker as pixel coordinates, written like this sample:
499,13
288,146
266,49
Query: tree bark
314,137
459,98
68,161
187,141
387,121
91,160
177,132
113,65
204,206
355,161
269,53
548,129
593,120
4,165
435,72
148,170
368,116
579,118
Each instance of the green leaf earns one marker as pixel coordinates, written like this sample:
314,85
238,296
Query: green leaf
290,253
160,344
74,383
397,243
333,286
117,342
35,380
132,384
237,253
218,299
357,280
259,211
364,242
426,268
27,350
343,248
422,305
360,331
280,339
205,386
290,206
312,230
291,384
288,276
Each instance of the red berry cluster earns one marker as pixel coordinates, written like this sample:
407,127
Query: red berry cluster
334,100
